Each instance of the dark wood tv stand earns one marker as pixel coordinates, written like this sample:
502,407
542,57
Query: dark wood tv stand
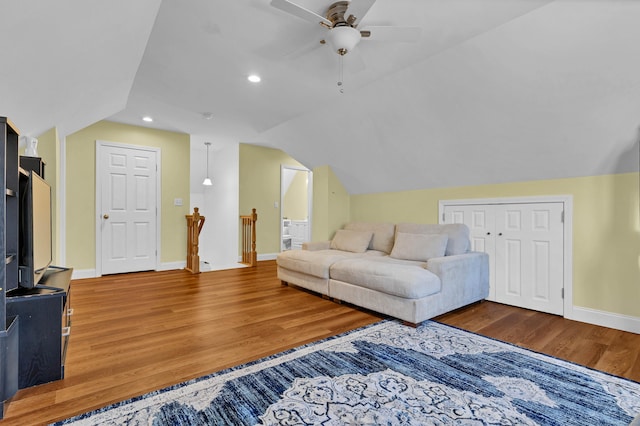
44,313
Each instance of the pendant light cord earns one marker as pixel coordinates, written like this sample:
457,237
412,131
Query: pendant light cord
207,179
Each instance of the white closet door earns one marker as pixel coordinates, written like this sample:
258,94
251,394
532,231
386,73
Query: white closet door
526,249
529,256
481,222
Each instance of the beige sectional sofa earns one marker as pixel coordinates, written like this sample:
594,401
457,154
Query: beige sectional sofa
409,271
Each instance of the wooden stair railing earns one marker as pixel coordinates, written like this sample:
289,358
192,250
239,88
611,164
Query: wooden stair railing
194,226
249,254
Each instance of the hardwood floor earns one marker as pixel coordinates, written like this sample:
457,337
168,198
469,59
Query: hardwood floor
606,349
134,333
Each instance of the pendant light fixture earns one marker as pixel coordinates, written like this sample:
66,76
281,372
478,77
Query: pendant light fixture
207,180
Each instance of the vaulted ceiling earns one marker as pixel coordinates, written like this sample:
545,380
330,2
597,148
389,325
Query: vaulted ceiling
493,91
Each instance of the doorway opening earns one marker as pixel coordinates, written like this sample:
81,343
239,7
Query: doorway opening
296,187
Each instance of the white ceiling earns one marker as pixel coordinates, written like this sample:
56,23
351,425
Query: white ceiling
494,90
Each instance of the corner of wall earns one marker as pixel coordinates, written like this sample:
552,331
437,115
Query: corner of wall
319,226
331,204
49,151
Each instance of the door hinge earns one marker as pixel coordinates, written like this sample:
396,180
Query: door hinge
562,216
562,293
443,219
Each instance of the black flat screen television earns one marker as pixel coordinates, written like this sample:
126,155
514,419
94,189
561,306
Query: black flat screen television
35,243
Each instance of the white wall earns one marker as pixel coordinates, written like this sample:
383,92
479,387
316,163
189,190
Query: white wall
217,203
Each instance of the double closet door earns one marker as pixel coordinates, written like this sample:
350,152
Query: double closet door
525,243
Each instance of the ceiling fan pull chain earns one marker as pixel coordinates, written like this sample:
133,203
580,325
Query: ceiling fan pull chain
341,74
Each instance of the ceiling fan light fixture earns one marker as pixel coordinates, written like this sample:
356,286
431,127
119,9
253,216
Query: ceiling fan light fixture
343,39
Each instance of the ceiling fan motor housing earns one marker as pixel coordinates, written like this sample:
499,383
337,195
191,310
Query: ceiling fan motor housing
343,36
336,12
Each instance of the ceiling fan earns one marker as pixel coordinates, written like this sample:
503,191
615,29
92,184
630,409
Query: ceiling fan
342,19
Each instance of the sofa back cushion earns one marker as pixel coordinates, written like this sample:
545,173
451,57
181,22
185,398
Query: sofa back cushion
383,234
353,241
457,233
421,247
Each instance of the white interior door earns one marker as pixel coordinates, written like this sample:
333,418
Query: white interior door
525,243
126,204
481,223
529,247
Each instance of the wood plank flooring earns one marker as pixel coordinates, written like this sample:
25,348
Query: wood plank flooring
606,349
134,333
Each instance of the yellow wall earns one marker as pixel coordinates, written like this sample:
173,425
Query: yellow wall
606,229
81,185
295,203
49,151
319,213
260,189
331,203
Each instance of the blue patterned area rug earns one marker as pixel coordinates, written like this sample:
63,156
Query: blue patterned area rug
390,374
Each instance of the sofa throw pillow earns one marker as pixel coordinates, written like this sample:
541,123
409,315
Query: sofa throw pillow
383,234
421,247
458,234
354,241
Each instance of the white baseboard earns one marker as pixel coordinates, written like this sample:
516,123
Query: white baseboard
265,256
268,256
79,274
606,319
169,266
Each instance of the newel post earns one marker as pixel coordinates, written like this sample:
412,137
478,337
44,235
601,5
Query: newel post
195,222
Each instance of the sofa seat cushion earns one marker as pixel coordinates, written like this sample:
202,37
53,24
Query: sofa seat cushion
402,278
317,262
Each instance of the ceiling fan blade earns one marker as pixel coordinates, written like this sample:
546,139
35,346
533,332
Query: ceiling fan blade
358,9
300,12
395,34
289,49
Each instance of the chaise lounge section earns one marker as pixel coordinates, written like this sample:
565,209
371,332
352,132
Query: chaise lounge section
408,271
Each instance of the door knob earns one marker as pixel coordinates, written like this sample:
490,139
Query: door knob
105,216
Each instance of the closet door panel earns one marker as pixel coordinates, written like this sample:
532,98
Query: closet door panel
529,256
481,222
525,246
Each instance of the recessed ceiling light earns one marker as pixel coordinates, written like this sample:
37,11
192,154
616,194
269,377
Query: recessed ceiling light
254,78
147,119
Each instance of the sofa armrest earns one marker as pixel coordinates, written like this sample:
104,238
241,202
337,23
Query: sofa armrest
316,245
468,271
